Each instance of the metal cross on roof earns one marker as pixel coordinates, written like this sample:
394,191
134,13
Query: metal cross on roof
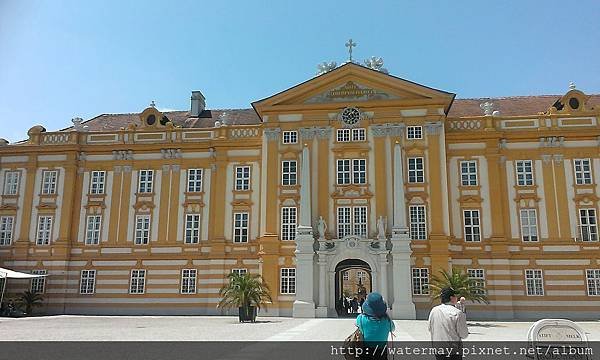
350,44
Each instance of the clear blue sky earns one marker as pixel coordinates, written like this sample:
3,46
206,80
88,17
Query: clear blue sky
62,59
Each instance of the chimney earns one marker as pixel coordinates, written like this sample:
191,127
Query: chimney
198,104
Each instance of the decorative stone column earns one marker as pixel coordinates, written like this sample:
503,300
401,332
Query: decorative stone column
323,279
383,279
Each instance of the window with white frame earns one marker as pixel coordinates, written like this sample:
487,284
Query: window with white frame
588,227
142,229
344,221
478,277
529,230
38,285
145,181
359,171
524,172
359,134
6,230
242,178
360,221
188,281
92,232
97,182
290,137
593,282
137,283
288,223
194,180
416,170
583,171
351,171
288,172
192,228
11,183
343,171
420,281
361,275
239,272
49,178
534,282
414,132
87,282
240,227
346,275
418,222
472,225
288,280
343,135
44,230
468,173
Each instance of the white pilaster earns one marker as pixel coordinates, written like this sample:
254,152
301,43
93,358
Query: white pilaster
383,279
322,308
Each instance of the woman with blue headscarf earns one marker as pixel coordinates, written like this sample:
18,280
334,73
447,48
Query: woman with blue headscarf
375,326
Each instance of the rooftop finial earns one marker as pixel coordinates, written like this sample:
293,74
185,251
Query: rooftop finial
325,67
375,63
152,104
350,44
571,86
487,107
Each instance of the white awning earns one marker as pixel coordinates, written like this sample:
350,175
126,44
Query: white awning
11,274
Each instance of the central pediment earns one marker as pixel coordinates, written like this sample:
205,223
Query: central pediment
351,91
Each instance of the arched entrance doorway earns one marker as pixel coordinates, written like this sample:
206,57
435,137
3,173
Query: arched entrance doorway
353,281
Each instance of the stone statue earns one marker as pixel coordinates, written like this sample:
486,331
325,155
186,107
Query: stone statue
321,227
381,227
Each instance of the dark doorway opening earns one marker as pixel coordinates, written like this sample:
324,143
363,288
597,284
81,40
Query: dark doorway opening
353,282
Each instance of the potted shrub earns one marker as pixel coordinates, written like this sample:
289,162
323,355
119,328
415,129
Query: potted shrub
247,292
471,289
29,300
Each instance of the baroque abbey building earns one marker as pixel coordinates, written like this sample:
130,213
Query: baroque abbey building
353,171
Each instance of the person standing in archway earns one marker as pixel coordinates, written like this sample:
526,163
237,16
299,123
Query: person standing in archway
376,326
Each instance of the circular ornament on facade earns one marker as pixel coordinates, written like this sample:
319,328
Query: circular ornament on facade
350,116
151,119
352,243
574,103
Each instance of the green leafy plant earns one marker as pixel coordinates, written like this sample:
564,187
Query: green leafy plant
244,291
457,279
29,300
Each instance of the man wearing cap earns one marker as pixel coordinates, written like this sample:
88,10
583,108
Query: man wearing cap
448,325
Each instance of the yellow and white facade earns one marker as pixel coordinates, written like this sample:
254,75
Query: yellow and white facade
147,213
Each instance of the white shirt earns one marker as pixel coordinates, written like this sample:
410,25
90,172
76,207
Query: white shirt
447,323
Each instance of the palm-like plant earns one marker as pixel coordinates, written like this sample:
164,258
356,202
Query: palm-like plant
460,281
30,299
244,291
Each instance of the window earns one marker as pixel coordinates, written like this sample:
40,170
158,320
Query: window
242,178
583,171
288,172
288,280
359,135
343,135
360,221
359,171
49,182
529,225
344,222
416,172
240,227
11,183
142,229
472,230
534,282
420,281
192,228
137,284
361,275
145,182
593,282
355,167
479,280
414,132
6,230
239,271
587,225
290,137
418,224
524,172
346,275
44,230
188,281
194,180
38,285
468,173
97,182
92,233
343,172
87,283
288,223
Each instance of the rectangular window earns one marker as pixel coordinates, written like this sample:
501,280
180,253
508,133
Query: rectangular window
145,181
343,171
359,135
87,283
534,282
290,137
142,229
346,275
137,284
38,285
479,280
6,230
588,227
593,282
97,182
240,227
44,230
344,222
288,280
524,172
288,172
359,171
472,229
288,223
92,233
242,178
188,281
192,228
194,180
416,170
49,178
360,221
418,223
529,225
414,132
11,183
420,281
343,135
583,171
468,173
239,271
361,275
